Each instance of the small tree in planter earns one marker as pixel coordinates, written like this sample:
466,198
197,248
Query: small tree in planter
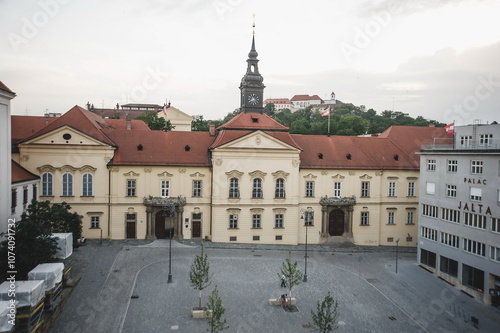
200,273
292,275
326,316
214,311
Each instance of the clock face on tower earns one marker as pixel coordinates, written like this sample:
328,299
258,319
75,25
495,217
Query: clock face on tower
253,99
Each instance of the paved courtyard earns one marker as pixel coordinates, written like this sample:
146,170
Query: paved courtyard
123,288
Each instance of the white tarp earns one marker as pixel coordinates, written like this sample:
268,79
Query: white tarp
6,314
27,293
65,244
51,273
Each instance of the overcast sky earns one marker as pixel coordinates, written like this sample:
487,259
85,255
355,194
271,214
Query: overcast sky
437,59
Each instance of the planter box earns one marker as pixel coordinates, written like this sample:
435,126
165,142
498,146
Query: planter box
200,314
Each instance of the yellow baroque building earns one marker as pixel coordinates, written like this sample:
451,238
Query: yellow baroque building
247,181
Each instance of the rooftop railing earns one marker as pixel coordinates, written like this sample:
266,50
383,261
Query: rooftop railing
449,144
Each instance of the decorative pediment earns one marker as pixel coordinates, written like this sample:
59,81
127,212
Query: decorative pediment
257,174
412,178
310,176
338,176
165,174
67,168
233,210
234,174
392,178
65,135
365,177
279,210
87,169
280,174
258,140
256,210
197,175
46,168
131,174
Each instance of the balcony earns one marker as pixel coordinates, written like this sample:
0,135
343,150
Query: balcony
450,144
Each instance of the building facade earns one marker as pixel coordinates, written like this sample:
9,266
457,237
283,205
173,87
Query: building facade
247,181
280,103
459,236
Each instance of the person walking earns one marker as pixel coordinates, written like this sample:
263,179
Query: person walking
283,280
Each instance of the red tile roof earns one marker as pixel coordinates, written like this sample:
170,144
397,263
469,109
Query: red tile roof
253,121
20,174
224,137
161,148
23,127
5,88
305,98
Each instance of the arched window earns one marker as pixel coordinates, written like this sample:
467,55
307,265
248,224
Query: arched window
234,189
280,188
257,188
67,184
47,184
87,185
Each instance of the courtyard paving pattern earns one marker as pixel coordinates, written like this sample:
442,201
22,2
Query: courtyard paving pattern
124,289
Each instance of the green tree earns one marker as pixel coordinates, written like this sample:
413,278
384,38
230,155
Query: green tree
292,274
55,217
199,276
198,124
154,122
325,318
32,245
214,312
270,109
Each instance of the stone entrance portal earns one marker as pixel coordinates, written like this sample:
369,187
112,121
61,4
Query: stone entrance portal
336,220
336,223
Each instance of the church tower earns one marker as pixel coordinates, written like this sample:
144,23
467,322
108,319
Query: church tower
251,87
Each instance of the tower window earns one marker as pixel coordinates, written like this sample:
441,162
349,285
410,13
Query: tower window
252,69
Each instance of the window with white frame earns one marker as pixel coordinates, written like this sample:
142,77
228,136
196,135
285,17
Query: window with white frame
256,221
409,217
466,141
278,220
365,218
428,233
87,185
429,210
450,215
430,188
197,188
390,218
233,221
475,220
280,188
365,189
452,166
94,222
411,189
475,193
485,140
309,188
67,184
257,188
337,189
495,224
451,191
131,187
47,184
476,167
165,188
450,240
431,165
495,253
474,247
234,188
392,189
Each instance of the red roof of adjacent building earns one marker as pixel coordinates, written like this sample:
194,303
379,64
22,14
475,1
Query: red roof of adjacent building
20,174
305,98
253,121
23,127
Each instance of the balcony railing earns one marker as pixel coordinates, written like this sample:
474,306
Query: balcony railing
449,144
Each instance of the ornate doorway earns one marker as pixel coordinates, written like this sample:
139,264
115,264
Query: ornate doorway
336,223
162,225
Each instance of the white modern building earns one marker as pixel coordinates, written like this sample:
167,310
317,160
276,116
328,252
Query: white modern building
459,220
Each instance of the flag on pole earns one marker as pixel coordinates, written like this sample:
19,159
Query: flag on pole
325,112
450,128
164,109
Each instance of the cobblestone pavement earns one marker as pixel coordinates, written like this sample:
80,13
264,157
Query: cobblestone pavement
123,288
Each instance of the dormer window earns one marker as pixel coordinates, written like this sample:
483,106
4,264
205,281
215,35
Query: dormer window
320,156
255,120
396,157
140,147
187,148
348,156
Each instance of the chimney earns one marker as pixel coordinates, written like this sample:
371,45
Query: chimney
211,128
129,122
46,119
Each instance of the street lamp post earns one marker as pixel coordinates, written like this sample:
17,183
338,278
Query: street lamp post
171,209
307,221
397,254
